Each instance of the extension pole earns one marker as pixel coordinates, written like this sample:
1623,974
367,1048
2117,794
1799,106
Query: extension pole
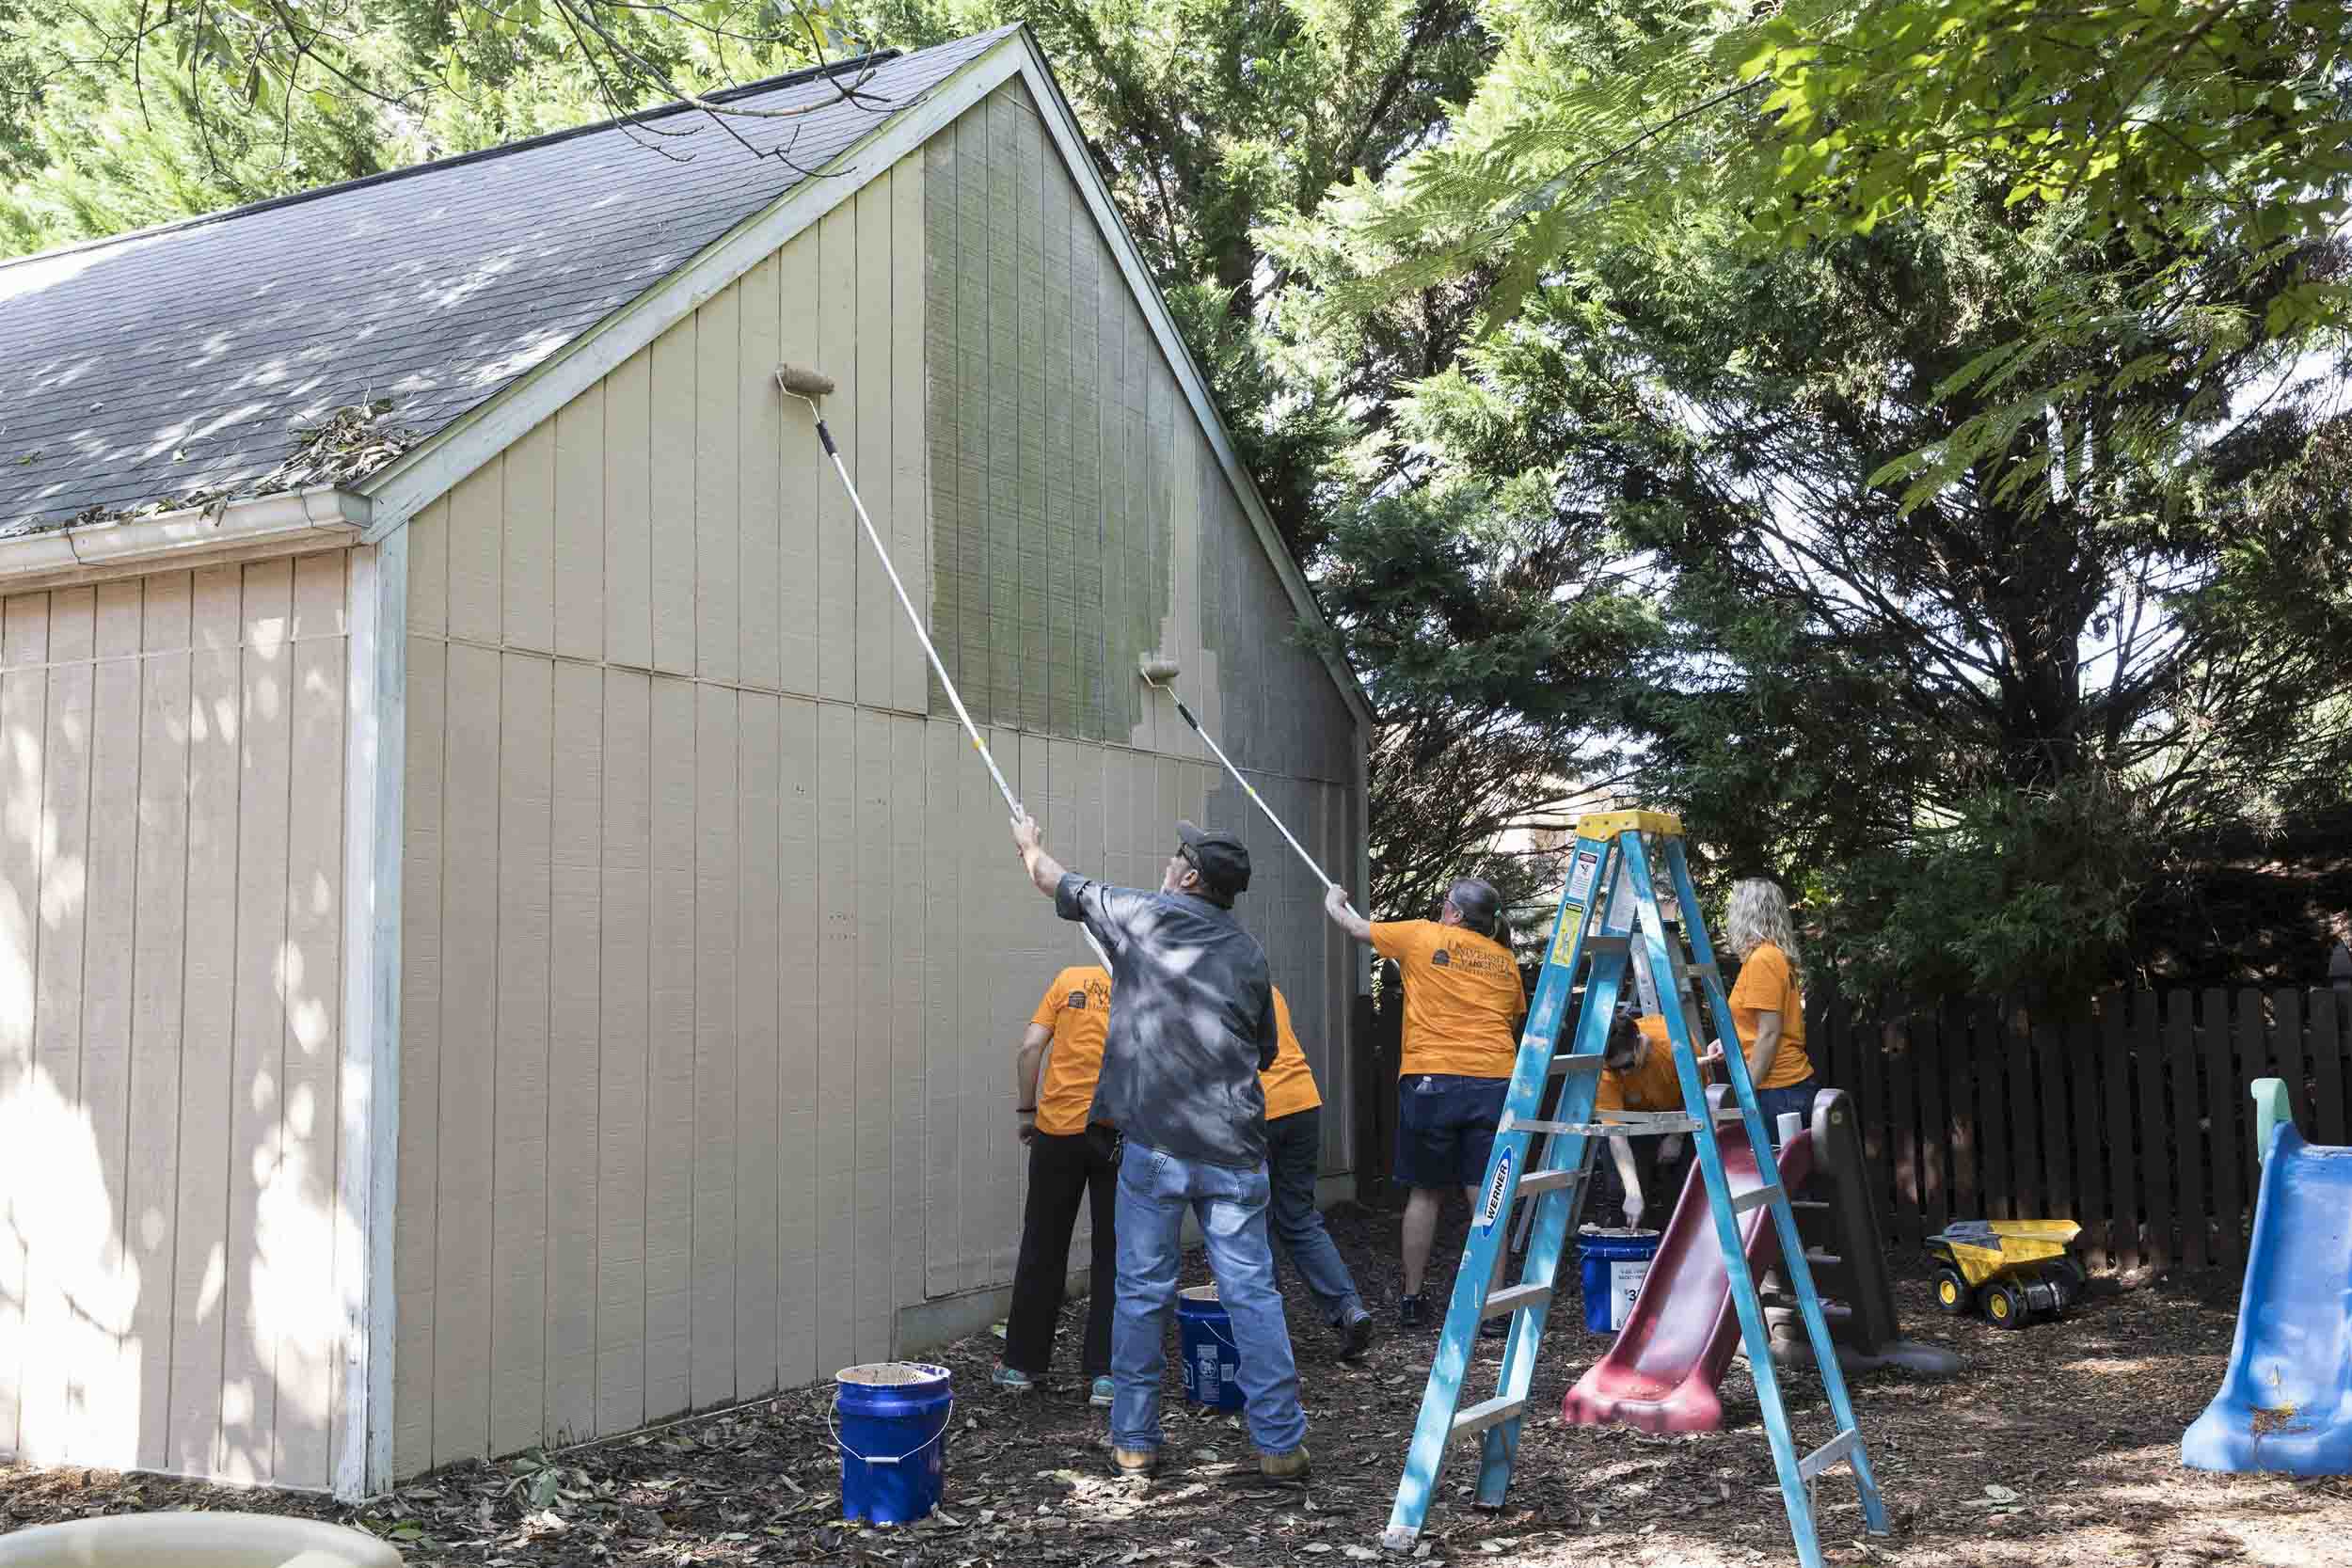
1159,673
808,385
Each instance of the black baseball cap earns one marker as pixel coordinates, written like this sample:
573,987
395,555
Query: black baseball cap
1222,860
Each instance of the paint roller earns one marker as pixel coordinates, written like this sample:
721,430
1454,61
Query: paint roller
800,381
1160,673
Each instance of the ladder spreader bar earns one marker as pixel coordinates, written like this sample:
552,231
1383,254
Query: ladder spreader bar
1829,1453
1494,1411
1514,1298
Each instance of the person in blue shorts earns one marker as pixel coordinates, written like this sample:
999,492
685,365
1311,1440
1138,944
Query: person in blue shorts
1462,1004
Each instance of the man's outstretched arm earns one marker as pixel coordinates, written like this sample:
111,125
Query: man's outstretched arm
1334,905
1045,872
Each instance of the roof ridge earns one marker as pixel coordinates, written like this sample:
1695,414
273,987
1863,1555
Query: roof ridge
481,154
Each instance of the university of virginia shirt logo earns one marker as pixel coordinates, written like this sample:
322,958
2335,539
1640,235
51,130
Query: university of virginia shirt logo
1440,958
1078,999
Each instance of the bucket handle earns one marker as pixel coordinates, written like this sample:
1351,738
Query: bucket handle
1210,1328
832,1424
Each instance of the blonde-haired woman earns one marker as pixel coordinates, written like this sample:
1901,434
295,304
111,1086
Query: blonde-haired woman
1767,1007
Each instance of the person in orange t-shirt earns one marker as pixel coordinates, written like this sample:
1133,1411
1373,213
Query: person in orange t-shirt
1638,1074
1767,1007
1462,1004
1293,1154
1073,1158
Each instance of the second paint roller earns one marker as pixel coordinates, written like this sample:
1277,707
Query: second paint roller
1160,673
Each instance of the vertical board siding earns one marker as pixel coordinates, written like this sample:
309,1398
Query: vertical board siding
170,905
715,959
2126,1113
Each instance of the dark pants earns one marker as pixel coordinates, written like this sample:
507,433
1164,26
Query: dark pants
1662,1181
1293,1154
1062,1171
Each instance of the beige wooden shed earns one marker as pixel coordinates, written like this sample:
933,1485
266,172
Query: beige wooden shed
501,938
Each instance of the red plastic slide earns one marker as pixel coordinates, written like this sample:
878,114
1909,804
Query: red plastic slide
1660,1374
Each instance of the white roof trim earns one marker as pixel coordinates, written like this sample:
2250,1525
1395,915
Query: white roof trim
294,520
432,470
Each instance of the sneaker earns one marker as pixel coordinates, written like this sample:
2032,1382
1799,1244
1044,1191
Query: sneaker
1285,1466
1136,1463
1410,1313
1355,1337
1012,1380
1101,1397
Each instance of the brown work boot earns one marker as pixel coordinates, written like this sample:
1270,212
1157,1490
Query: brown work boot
1285,1466
1138,1463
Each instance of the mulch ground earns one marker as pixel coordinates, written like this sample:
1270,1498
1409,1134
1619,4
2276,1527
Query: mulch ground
2060,1443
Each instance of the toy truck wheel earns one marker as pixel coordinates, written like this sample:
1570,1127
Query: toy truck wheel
1952,1292
2005,1304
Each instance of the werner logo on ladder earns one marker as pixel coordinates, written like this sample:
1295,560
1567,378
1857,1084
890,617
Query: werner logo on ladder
1593,940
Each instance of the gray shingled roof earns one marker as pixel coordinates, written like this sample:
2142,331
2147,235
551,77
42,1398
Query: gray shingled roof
144,368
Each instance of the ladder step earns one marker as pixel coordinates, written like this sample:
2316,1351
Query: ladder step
1755,1199
1830,1454
1645,1129
1548,1182
1512,1299
1562,1065
1494,1411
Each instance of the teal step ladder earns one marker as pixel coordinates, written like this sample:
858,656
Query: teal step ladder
1610,905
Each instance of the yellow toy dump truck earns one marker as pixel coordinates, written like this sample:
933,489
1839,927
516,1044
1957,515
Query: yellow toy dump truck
2008,1269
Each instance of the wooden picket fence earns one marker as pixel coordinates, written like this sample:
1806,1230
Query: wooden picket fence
2128,1113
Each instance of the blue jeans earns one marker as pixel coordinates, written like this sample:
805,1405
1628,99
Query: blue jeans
1154,1191
1293,1153
1776,1102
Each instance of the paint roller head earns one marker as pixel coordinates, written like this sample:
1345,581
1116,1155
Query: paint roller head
1159,671
802,382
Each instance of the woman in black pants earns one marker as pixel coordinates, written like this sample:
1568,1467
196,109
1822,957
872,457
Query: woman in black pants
1072,1160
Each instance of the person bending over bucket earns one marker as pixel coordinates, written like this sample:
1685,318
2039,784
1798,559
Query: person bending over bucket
1463,1002
1072,1159
1192,1025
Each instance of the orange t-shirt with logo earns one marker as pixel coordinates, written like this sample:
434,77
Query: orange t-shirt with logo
1652,1086
1077,1008
1768,984
1463,1001
1290,1083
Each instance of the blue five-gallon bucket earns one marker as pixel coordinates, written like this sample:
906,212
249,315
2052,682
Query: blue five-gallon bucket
1211,1361
891,1426
1615,1263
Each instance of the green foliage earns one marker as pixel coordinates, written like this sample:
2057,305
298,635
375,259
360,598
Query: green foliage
2027,892
1959,718
2204,154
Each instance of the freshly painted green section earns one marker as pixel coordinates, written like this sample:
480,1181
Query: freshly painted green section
1051,581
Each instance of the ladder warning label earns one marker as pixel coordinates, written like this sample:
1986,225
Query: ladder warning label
1581,874
1564,941
1498,1189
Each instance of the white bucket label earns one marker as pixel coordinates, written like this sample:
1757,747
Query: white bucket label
1625,1284
1498,1189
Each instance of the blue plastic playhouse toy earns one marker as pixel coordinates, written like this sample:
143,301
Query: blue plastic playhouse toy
2285,1403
